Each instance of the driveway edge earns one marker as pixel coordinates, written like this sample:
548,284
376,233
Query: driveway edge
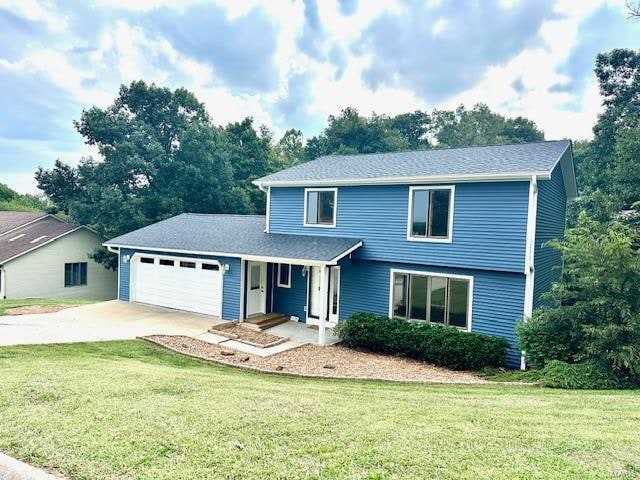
13,469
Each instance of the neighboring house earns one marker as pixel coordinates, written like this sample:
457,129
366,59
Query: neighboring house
44,256
452,236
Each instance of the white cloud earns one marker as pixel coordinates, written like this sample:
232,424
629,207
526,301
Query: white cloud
122,50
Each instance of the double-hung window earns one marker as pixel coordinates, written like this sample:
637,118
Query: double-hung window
430,214
320,207
432,298
75,274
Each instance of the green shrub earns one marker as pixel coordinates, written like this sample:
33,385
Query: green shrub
588,375
550,334
446,346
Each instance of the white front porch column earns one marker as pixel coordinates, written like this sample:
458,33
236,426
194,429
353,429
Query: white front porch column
324,291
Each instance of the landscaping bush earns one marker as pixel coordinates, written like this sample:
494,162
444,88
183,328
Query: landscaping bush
588,375
445,346
550,334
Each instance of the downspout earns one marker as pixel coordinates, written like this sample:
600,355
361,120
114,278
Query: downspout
529,268
266,190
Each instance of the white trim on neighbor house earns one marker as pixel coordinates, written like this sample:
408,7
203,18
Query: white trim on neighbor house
469,278
449,238
513,177
257,258
3,281
335,207
283,285
7,260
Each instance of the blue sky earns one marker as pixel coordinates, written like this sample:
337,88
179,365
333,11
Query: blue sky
291,63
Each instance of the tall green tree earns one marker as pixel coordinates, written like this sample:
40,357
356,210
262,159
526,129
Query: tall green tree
289,151
161,156
351,132
481,126
251,155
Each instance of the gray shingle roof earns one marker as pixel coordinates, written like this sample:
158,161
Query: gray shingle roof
232,235
33,236
11,220
486,161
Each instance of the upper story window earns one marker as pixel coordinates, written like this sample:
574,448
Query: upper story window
320,207
430,214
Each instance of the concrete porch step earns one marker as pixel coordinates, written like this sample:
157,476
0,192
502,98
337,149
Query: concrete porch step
263,322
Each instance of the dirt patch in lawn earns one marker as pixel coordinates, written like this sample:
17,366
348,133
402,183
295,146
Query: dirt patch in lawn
245,335
315,361
37,309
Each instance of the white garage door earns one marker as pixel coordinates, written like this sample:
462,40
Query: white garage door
183,283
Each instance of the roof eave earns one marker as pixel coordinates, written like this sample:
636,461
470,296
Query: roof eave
520,176
53,239
244,256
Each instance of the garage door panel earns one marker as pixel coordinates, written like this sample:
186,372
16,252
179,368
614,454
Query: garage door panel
175,286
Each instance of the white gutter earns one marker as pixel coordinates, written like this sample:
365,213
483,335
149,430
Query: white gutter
257,258
521,176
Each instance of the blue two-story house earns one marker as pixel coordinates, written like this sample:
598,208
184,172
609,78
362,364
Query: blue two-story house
452,237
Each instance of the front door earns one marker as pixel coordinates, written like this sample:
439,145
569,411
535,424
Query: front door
256,288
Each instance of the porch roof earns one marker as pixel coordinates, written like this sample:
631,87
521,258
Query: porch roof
235,236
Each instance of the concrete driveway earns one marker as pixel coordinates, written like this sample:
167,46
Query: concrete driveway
113,320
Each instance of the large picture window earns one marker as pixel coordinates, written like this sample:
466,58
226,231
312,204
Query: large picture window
320,207
431,298
430,213
75,274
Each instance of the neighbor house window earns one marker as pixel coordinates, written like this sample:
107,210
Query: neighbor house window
75,274
320,207
430,213
284,275
431,298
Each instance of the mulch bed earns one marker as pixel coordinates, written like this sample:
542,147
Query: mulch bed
242,334
315,361
36,309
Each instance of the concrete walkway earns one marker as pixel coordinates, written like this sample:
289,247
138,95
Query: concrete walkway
113,320
12,469
298,334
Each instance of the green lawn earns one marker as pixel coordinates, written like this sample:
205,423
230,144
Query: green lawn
131,410
28,302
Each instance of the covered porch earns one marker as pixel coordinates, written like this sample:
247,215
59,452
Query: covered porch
298,297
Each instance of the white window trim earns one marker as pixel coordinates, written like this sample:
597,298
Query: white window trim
284,285
469,278
411,238
335,207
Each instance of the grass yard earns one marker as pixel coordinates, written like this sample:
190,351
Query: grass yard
116,410
30,302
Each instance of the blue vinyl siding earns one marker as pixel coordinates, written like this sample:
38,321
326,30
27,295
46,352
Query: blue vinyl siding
498,297
489,230
231,280
550,223
292,301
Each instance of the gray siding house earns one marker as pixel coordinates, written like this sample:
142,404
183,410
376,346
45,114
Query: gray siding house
42,256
